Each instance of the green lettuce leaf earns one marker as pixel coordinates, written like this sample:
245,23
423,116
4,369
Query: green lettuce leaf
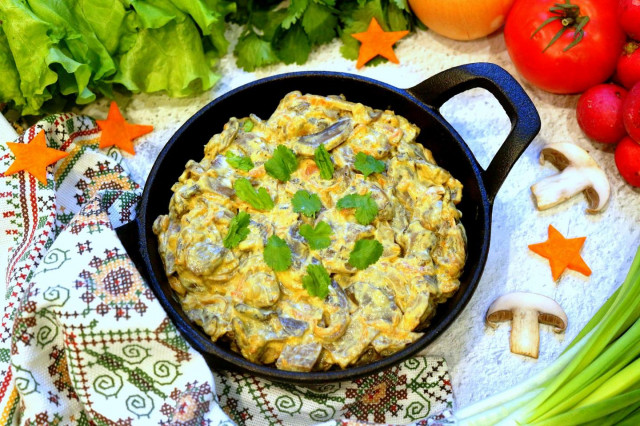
36,47
10,87
158,61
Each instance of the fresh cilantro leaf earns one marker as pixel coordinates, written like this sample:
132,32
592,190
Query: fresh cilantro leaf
365,252
366,207
239,162
306,203
317,238
259,200
277,254
357,22
367,164
253,52
400,4
238,230
323,161
319,23
292,45
282,163
398,20
317,281
268,21
294,12
247,126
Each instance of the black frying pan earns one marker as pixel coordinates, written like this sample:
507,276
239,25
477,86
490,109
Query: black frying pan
420,105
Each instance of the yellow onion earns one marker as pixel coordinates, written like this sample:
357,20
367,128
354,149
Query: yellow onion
462,19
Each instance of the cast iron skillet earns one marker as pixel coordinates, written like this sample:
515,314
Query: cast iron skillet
420,105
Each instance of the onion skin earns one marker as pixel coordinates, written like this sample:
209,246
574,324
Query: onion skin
462,19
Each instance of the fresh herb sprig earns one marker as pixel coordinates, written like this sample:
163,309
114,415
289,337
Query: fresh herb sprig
365,253
317,281
239,162
366,207
282,163
367,164
277,254
323,161
238,230
306,203
319,237
259,200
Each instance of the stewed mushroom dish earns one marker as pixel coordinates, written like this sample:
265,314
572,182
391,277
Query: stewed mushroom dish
322,237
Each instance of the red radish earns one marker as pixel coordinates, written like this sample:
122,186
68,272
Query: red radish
629,17
600,113
628,68
631,112
628,160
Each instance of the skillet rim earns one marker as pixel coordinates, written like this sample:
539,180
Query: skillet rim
231,359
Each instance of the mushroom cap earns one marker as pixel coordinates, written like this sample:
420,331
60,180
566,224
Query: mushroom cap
596,185
549,312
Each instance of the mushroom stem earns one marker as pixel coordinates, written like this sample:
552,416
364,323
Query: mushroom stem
525,332
555,189
525,311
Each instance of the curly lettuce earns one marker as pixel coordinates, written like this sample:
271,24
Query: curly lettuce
78,48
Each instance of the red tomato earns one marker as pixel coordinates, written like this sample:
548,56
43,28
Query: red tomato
628,68
591,61
629,16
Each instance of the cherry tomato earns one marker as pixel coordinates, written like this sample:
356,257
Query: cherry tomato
629,17
599,113
628,68
628,160
585,54
631,112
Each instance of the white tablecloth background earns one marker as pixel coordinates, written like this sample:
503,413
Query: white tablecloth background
479,359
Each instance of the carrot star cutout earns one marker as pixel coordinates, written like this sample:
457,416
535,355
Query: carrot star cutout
34,157
562,253
376,42
116,131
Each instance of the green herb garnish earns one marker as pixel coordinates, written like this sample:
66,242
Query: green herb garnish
323,161
247,126
282,163
277,254
306,203
367,164
366,207
239,162
317,281
259,200
238,230
318,237
365,253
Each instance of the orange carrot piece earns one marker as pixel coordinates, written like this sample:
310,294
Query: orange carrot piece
562,253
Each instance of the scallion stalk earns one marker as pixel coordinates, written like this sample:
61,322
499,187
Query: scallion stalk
596,379
594,411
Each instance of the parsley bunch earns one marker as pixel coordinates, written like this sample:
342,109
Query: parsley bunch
273,34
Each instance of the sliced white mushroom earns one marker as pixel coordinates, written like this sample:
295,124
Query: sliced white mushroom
526,311
578,173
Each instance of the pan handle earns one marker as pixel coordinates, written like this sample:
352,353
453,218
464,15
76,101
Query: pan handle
525,121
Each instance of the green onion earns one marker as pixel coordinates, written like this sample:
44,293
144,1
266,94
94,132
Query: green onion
595,380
